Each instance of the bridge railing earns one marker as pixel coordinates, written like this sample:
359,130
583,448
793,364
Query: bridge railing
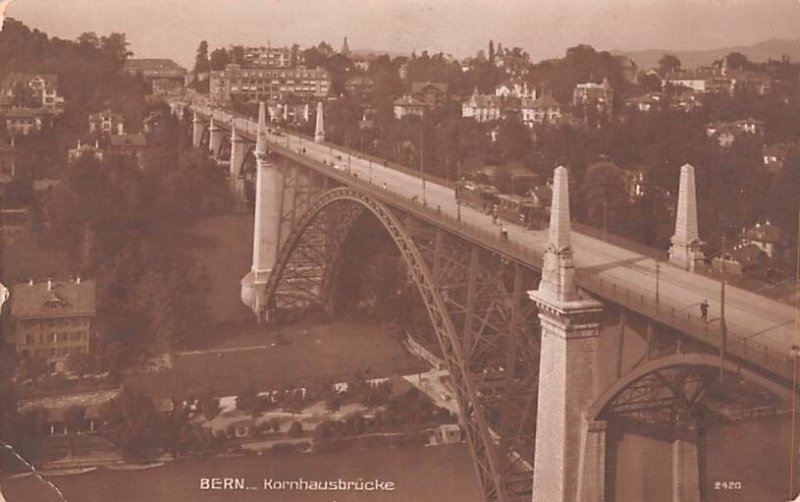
736,344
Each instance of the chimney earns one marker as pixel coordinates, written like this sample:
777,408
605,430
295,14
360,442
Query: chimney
30,281
78,280
49,284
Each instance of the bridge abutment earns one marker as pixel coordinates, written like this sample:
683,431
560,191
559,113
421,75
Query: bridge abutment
685,471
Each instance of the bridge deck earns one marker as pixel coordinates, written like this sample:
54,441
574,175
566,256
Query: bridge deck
759,329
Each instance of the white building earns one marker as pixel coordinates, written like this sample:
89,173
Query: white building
482,107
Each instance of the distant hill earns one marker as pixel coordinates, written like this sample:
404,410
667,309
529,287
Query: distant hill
759,52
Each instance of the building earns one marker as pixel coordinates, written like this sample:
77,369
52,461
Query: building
132,145
650,102
23,121
775,155
345,49
767,237
544,110
43,90
482,107
446,434
743,259
406,105
272,57
515,88
590,93
86,149
8,160
106,122
270,83
432,94
53,320
727,132
290,110
359,86
165,76
720,79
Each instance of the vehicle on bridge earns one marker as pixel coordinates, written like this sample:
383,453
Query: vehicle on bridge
519,209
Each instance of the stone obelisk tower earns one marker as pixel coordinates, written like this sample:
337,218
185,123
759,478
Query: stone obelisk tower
685,250
266,228
319,132
569,345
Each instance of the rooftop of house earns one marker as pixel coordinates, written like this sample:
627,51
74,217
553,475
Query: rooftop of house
153,66
13,78
408,101
103,114
483,100
746,254
423,86
545,101
25,113
128,140
53,299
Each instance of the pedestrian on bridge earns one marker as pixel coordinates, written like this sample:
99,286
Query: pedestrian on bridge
704,310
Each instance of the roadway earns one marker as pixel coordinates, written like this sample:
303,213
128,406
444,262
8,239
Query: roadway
748,315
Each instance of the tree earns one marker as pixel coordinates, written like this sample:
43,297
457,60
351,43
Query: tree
74,417
737,61
668,63
80,363
209,406
604,193
24,96
237,54
115,48
219,58
132,423
650,82
201,63
296,429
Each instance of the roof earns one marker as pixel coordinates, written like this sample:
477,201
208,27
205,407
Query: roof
408,101
63,299
124,140
483,100
105,113
21,113
154,67
546,101
399,386
12,78
421,86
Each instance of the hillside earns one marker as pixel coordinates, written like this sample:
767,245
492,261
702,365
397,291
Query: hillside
761,51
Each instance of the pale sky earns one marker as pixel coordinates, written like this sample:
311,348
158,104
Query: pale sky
545,28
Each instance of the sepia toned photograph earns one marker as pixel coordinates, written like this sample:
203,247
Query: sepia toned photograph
399,250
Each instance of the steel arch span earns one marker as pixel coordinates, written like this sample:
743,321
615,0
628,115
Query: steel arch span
303,275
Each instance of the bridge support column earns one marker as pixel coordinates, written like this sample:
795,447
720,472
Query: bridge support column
198,128
685,471
215,136
238,151
569,346
266,229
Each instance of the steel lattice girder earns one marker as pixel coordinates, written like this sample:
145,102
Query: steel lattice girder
486,328
508,396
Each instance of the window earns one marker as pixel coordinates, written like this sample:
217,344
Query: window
76,337
29,340
51,337
63,337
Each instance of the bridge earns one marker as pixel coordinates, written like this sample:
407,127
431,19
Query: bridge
550,337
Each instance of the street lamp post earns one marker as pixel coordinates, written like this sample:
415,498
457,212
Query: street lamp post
605,219
658,271
722,325
421,150
458,188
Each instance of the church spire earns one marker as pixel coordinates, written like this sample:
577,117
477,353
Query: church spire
345,48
